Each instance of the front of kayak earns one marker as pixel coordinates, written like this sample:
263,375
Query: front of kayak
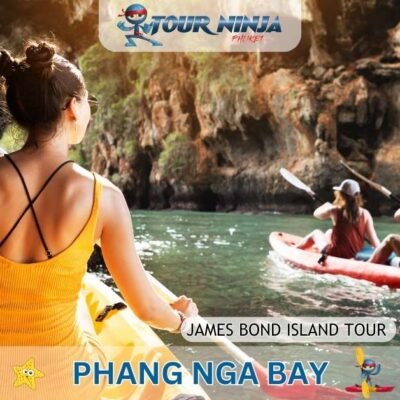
125,338
284,244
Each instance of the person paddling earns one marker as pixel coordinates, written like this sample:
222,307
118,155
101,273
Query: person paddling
352,224
389,244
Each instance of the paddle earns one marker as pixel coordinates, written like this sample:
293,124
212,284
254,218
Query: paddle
360,361
386,192
311,392
296,182
359,356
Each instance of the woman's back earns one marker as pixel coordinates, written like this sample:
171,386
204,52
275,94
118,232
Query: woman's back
62,209
347,237
39,294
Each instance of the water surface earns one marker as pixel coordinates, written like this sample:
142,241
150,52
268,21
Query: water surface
223,262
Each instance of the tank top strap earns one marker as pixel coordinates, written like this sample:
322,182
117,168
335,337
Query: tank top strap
31,203
363,221
92,223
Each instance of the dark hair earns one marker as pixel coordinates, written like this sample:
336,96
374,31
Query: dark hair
350,205
39,86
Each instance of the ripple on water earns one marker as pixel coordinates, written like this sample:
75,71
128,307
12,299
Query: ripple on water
332,295
220,260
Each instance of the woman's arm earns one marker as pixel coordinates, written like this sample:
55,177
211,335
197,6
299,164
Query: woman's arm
397,215
325,211
122,261
370,233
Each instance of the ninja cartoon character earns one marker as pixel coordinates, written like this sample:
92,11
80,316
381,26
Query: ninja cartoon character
368,368
136,14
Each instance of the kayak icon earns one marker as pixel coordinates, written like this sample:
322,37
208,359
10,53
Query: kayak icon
368,368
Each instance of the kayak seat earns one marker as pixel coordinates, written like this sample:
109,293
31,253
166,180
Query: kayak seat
366,252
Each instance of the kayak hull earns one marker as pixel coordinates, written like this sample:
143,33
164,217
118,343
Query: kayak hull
380,389
284,245
124,337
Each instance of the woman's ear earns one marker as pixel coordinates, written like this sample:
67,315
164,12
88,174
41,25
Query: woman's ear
72,109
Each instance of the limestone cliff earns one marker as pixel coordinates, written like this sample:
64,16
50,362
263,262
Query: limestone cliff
210,131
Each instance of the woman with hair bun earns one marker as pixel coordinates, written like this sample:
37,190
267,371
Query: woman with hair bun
53,211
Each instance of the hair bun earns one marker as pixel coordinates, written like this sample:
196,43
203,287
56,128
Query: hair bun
7,64
40,56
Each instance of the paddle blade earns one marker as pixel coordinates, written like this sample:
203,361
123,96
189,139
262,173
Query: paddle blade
360,357
293,180
365,389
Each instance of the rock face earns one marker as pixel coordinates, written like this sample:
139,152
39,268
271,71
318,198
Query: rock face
73,24
210,131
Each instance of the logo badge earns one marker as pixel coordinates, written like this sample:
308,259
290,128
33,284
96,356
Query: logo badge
368,369
206,26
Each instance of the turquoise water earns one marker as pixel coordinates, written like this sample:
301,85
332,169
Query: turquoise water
222,261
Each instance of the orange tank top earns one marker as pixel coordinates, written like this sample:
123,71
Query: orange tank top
38,318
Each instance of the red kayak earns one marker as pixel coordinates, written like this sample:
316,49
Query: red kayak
284,244
379,389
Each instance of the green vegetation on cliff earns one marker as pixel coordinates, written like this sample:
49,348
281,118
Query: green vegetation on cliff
220,76
99,68
118,81
178,159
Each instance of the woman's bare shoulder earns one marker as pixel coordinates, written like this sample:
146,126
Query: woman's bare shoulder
112,199
87,175
366,213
